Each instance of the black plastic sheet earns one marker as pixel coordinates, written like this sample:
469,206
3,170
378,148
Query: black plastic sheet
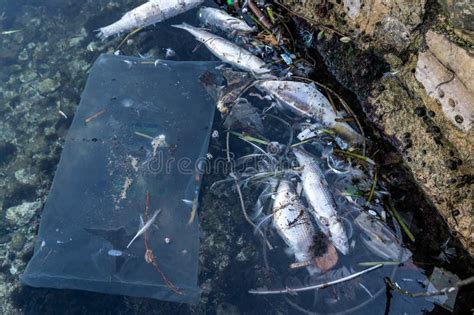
141,130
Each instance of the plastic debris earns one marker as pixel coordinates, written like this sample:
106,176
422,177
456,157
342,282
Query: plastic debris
440,279
88,237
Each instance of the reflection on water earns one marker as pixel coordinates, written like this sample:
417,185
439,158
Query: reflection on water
46,52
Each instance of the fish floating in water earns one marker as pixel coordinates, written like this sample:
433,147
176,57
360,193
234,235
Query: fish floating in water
305,100
221,20
149,13
380,240
227,51
293,223
319,197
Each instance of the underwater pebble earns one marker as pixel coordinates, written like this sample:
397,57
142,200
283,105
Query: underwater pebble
48,86
24,177
22,214
18,241
23,56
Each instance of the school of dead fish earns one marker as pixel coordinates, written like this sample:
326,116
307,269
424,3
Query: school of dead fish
295,216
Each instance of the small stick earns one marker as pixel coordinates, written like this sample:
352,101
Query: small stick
143,135
128,36
402,223
443,291
150,258
372,189
317,286
94,116
355,155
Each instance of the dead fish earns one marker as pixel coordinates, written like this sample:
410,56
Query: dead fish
380,240
321,200
304,99
149,13
227,51
293,223
220,19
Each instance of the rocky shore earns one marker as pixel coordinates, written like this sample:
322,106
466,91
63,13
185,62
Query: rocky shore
410,64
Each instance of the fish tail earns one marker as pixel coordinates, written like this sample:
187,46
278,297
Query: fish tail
183,26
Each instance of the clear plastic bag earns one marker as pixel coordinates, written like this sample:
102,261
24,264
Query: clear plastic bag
137,145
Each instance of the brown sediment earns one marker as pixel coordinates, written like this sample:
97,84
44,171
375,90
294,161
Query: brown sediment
328,260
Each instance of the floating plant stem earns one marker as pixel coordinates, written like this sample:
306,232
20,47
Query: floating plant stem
355,155
317,286
249,138
143,135
372,189
443,291
402,223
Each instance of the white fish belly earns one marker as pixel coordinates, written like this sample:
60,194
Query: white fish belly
323,206
293,223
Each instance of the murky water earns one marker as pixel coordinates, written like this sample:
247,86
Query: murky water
44,65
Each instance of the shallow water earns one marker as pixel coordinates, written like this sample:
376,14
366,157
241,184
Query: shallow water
43,71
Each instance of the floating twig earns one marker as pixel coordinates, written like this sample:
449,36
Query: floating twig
316,286
443,291
150,258
143,135
372,189
250,138
128,36
355,155
94,116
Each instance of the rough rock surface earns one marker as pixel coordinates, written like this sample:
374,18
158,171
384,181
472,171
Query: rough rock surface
460,14
422,100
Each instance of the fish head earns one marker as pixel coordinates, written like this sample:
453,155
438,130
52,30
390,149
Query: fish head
341,243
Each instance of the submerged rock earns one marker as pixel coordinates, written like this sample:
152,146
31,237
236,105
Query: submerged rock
461,15
48,86
18,241
22,214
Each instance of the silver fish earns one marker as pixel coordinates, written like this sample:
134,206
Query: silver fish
221,20
293,222
380,240
304,99
321,200
149,13
227,51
